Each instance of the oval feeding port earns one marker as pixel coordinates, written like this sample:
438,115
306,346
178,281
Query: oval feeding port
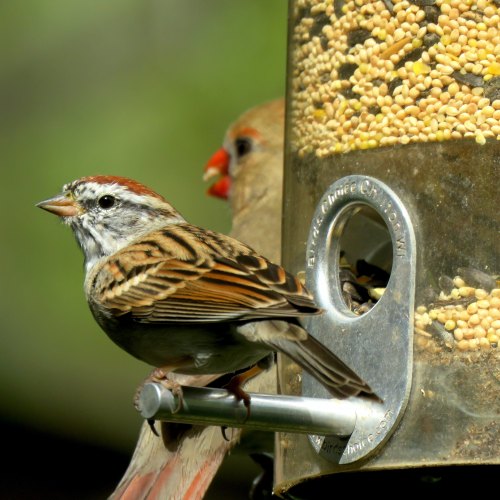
361,268
364,257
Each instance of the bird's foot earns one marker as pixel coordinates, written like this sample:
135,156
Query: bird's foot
159,376
234,386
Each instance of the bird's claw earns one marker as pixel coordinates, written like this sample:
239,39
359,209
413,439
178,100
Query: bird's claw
176,389
151,423
234,388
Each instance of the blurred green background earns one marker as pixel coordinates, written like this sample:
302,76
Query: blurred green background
139,88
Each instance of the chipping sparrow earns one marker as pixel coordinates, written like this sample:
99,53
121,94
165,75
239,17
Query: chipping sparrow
186,299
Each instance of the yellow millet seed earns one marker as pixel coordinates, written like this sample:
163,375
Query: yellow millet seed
469,333
492,338
466,291
486,324
472,308
441,317
433,313
484,343
494,301
474,344
479,332
482,313
474,320
463,345
450,325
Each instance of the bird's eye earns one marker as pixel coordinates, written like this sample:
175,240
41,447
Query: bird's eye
243,146
106,201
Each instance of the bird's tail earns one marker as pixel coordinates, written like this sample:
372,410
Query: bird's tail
323,365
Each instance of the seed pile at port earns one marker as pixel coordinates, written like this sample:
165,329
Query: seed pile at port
367,74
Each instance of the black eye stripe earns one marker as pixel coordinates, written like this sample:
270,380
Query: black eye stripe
106,201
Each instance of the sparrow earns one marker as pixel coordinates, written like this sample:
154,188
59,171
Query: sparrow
186,299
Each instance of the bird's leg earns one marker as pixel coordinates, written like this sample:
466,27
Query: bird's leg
160,376
234,385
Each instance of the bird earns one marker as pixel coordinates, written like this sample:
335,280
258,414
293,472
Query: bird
247,172
186,299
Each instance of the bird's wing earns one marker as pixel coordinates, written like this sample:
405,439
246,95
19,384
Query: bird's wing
186,275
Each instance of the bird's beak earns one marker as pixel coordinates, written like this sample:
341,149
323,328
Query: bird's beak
61,205
218,167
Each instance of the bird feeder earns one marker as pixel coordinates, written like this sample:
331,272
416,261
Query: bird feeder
391,175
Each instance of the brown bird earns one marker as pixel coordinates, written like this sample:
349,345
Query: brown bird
248,171
193,455
185,299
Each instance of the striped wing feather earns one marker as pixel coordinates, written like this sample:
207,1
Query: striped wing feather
184,274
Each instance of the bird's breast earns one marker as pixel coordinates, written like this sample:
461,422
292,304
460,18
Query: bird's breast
191,349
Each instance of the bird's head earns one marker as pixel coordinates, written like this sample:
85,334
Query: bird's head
106,213
255,136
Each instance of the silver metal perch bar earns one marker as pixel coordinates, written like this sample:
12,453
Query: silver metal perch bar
277,413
